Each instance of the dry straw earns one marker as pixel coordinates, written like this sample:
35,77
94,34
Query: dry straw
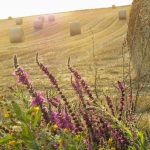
19,21
122,14
138,37
75,28
16,35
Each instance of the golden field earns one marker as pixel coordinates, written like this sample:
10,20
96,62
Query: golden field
102,34
55,46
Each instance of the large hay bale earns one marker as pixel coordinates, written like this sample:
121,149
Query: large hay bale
51,18
19,21
16,35
122,14
38,24
138,37
75,28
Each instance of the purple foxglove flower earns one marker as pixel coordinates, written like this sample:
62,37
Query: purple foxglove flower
89,147
110,104
121,86
38,100
54,101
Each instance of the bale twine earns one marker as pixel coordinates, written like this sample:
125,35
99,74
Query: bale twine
38,24
16,35
113,6
122,14
138,37
51,18
19,21
75,28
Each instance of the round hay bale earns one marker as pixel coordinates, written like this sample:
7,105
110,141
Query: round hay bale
16,35
75,28
41,18
138,37
51,18
19,21
122,14
10,18
113,6
38,24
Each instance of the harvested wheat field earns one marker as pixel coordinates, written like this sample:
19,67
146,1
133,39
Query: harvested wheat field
99,47
55,45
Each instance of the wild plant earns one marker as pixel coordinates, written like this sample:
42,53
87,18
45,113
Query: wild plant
50,122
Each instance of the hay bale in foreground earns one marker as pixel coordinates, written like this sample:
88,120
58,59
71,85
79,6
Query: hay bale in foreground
38,24
138,37
122,14
75,28
16,35
51,18
19,21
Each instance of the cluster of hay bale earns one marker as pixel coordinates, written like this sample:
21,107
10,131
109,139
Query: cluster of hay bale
16,35
75,28
122,14
39,22
19,21
138,37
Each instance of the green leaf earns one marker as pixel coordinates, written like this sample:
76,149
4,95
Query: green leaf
6,138
131,148
141,137
128,133
26,133
34,146
37,118
28,138
140,145
19,113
